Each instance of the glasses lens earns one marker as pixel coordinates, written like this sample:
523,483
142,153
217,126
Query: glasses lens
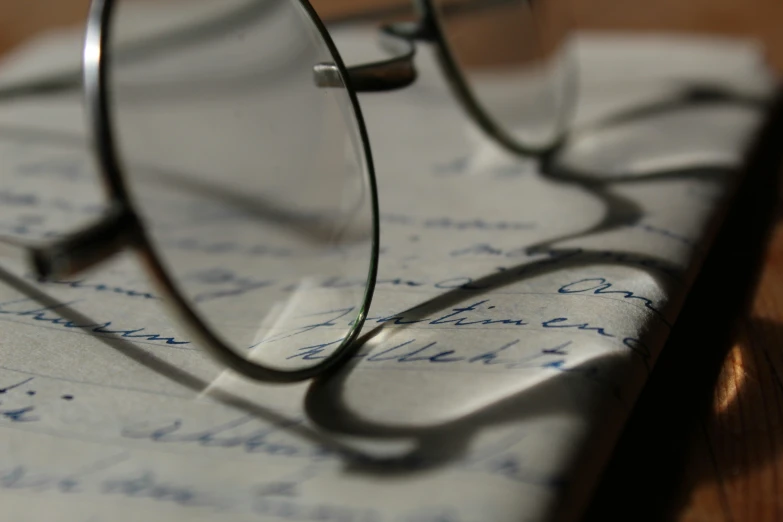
512,56
253,182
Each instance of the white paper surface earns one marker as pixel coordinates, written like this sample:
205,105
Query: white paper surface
494,380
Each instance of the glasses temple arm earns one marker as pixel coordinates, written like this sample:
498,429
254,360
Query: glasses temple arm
55,84
75,252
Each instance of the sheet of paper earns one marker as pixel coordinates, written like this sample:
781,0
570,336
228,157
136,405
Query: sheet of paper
495,376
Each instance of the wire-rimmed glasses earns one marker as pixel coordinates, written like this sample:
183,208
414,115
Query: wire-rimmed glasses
237,162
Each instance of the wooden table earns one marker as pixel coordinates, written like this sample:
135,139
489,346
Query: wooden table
705,442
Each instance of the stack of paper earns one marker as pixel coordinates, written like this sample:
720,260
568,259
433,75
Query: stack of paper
517,315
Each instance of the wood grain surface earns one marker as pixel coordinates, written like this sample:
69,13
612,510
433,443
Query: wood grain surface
705,442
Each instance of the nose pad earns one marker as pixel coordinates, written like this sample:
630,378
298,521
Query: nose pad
113,232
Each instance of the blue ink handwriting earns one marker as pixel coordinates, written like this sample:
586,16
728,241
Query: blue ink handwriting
39,313
600,286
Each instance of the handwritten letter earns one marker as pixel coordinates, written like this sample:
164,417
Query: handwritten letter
516,316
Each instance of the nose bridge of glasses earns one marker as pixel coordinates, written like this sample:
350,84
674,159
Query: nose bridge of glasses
385,75
74,253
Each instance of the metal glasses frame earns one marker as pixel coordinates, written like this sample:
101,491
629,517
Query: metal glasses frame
120,227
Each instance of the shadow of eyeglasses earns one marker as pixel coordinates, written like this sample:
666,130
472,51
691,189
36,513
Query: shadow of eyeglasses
621,210
440,443
694,369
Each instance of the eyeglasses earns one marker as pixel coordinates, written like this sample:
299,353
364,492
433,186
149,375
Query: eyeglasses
237,162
